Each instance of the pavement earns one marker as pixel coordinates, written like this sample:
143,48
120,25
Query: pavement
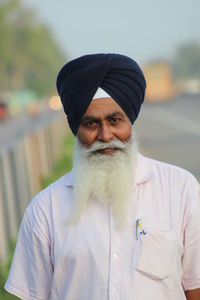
13,128
170,132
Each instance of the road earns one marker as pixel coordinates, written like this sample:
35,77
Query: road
12,129
170,132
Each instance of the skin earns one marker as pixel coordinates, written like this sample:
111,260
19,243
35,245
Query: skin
103,121
193,294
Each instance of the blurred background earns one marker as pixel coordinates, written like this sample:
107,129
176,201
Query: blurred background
38,37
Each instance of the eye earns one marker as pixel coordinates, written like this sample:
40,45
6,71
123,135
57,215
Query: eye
115,120
90,124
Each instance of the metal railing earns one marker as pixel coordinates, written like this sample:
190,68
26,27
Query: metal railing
22,165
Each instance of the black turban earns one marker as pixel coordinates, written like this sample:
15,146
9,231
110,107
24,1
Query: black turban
116,74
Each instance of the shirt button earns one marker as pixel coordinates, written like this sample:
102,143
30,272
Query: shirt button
115,256
115,290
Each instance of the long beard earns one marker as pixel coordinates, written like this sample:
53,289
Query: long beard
107,179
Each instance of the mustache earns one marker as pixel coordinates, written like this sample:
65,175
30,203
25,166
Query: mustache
97,146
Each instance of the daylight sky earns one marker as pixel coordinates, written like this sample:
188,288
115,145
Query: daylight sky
143,29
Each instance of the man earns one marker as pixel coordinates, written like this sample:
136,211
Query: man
119,225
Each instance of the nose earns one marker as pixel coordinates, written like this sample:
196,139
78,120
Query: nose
105,134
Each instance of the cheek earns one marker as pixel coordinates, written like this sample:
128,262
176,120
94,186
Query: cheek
85,137
124,133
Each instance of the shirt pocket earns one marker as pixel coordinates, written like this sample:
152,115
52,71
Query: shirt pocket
161,253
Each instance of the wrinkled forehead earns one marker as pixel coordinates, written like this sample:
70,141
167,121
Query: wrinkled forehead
103,105
103,108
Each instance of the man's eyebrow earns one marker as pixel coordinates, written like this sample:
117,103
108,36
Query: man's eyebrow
115,114
93,118
89,118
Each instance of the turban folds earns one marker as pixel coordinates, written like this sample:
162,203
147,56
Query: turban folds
116,74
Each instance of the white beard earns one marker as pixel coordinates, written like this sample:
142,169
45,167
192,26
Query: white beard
108,179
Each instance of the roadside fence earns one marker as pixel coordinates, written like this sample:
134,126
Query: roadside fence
22,165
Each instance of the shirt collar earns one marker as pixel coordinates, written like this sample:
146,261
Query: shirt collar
69,180
144,171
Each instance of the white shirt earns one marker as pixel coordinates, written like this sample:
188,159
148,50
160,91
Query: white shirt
95,260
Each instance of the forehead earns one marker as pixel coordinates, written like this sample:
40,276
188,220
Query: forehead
102,107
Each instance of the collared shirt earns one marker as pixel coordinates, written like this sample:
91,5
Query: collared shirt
93,259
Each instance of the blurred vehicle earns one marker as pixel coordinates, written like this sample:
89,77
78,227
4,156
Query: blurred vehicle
33,109
3,110
24,101
189,87
159,81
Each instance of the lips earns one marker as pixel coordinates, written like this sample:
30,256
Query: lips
107,151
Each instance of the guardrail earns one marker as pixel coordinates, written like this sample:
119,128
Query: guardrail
22,165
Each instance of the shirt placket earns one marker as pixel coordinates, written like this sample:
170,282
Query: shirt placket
114,274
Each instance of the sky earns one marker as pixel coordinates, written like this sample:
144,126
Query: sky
144,30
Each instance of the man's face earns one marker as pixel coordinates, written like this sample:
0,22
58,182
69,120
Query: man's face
104,121
104,160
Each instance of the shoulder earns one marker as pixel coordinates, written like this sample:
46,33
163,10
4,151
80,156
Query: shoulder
52,196
58,186
173,187
168,172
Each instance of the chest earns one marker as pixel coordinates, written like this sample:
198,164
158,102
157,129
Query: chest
93,252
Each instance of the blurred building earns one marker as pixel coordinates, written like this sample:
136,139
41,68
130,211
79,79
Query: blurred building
159,80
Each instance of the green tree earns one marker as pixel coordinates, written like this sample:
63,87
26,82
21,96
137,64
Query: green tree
187,62
29,55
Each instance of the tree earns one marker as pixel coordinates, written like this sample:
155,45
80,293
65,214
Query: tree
187,62
29,56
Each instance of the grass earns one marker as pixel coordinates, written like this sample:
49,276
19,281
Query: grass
64,163
62,166
4,274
